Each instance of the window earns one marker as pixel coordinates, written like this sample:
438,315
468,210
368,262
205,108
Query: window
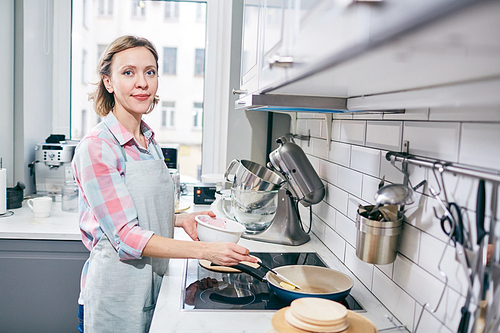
178,41
199,62
105,8
201,11
138,9
168,115
84,13
171,10
197,115
170,60
100,49
84,121
84,66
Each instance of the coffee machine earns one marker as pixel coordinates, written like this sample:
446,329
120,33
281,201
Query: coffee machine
52,165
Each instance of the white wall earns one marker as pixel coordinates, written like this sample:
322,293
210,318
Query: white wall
352,169
7,88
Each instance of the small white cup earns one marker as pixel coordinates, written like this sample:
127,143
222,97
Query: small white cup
41,206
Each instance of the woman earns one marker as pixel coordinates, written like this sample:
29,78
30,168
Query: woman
127,198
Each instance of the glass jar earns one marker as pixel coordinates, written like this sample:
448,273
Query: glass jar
69,192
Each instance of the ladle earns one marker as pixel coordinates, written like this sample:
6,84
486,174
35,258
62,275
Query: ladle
393,194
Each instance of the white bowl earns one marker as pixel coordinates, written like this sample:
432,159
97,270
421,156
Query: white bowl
216,229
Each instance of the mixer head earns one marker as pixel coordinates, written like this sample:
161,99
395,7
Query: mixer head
290,160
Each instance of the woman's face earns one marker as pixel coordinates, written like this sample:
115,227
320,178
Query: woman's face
133,81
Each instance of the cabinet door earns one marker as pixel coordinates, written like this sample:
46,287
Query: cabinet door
275,18
325,28
250,46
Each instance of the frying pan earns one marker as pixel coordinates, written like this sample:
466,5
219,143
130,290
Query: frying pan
314,281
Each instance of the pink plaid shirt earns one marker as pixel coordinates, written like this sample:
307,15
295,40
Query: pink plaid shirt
105,205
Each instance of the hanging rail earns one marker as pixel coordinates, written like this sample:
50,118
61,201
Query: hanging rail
483,173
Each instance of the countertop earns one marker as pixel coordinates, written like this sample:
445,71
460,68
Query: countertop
60,225
169,316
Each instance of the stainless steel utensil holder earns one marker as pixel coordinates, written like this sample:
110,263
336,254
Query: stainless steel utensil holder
377,241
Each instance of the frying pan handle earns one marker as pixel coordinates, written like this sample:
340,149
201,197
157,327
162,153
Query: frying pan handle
258,274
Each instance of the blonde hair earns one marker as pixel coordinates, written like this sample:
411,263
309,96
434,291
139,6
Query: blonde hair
104,101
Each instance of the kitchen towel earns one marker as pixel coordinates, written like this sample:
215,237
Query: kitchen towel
3,191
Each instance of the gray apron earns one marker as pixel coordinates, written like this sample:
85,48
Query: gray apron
120,296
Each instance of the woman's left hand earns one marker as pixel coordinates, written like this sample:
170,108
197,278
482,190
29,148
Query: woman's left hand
188,223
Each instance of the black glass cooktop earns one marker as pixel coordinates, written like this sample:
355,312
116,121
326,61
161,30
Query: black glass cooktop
205,289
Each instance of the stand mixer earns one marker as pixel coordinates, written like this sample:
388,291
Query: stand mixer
291,175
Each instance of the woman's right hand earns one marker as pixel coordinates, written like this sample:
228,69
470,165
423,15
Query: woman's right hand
227,254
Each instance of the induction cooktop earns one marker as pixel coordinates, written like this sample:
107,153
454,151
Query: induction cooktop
209,290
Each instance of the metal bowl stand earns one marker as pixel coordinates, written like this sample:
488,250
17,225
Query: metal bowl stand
285,228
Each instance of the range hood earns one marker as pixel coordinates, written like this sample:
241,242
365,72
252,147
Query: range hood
274,102
297,103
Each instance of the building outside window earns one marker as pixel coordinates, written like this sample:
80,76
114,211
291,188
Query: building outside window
171,10
197,115
201,11
84,67
181,49
199,62
168,115
139,9
105,8
170,60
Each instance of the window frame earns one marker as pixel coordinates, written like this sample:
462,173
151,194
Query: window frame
216,94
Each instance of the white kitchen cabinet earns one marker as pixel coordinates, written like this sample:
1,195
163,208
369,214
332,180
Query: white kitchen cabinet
276,17
250,59
357,49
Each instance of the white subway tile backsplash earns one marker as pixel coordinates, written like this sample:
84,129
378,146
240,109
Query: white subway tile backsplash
429,323
314,126
370,187
384,134
365,160
314,162
361,269
349,180
336,129
340,153
431,251
409,241
346,228
318,226
325,213
387,269
389,171
479,145
353,205
301,115
337,198
302,127
448,312
394,298
328,171
335,243
353,131
421,215
418,283
352,170
319,147
438,140
342,115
